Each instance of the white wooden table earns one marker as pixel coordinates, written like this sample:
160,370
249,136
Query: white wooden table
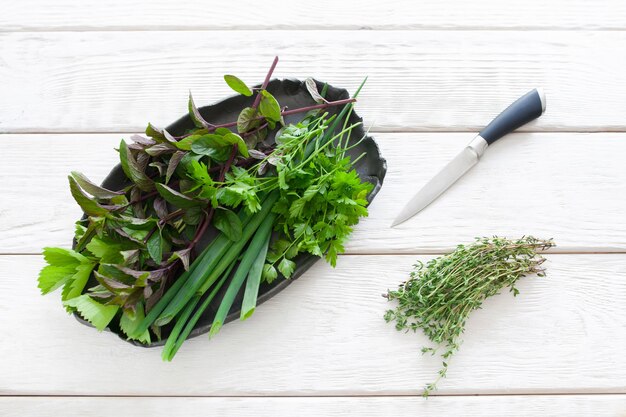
76,76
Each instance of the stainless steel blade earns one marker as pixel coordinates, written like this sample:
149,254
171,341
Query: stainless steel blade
438,184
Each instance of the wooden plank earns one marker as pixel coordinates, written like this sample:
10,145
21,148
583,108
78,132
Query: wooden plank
29,15
418,80
324,335
513,406
564,186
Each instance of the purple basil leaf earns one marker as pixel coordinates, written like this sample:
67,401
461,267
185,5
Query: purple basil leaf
110,283
195,115
160,166
171,139
160,149
136,147
89,206
256,154
160,207
133,169
122,233
155,133
142,140
183,255
156,296
171,167
312,88
147,292
130,256
174,197
143,159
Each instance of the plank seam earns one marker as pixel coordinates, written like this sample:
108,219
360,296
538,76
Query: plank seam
285,396
542,394
397,28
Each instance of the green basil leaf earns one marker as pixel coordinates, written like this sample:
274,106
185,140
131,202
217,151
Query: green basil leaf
193,215
228,223
155,247
248,120
185,164
222,131
254,138
208,144
235,139
237,85
214,146
269,107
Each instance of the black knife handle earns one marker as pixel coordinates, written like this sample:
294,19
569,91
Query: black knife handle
527,108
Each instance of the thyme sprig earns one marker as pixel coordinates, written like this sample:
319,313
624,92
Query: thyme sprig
439,296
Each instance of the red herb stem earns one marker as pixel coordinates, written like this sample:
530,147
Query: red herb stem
257,99
285,113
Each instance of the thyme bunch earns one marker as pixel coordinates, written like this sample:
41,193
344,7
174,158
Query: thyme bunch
439,296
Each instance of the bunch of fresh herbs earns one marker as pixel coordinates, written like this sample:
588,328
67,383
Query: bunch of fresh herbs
440,295
135,259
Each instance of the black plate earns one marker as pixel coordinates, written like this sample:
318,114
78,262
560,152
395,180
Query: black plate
293,94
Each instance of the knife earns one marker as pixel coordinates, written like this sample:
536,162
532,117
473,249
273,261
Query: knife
527,108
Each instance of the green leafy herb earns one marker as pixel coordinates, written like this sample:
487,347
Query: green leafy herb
195,115
133,169
87,204
93,189
248,119
269,107
237,85
439,296
175,197
99,315
155,247
228,223
129,324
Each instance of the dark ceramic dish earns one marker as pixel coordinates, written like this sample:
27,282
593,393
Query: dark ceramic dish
293,94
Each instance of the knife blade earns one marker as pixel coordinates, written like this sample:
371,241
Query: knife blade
527,108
